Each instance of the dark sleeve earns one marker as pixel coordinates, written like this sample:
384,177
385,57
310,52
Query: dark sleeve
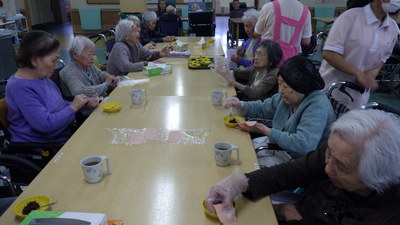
157,37
296,173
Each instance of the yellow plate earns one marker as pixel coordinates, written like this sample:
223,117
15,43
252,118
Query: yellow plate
40,199
111,106
229,124
210,40
212,214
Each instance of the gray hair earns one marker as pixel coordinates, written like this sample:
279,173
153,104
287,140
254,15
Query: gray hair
170,9
123,29
134,19
251,15
376,136
78,44
149,16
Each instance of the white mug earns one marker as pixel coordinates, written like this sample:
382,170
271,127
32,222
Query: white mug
92,167
217,97
138,96
222,153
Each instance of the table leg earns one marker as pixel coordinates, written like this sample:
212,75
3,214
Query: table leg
237,34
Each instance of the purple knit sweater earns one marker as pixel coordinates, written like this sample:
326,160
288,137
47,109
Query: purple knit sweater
36,111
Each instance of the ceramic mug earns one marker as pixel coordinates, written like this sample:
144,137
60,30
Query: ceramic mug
138,96
92,167
217,97
222,153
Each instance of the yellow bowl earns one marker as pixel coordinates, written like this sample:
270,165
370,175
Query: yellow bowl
210,40
111,106
212,214
40,199
230,124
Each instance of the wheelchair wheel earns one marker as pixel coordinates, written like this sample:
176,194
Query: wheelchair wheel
395,81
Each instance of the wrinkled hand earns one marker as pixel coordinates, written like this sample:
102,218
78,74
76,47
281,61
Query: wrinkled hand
150,46
111,80
169,38
258,127
286,212
366,80
225,191
235,58
78,102
165,51
239,50
235,103
92,103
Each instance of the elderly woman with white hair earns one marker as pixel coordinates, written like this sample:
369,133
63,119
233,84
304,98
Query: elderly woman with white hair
148,32
245,52
127,54
80,76
170,17
136,21
353,180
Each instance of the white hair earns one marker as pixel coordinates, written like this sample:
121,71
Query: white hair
149,16
170,9
134,19
251,15
123,29
376,136
78,44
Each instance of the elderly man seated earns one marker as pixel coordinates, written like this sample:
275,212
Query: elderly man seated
353,180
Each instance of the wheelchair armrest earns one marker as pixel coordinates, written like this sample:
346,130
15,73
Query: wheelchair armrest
25,147
10,184
270,146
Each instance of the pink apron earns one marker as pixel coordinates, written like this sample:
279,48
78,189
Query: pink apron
288,49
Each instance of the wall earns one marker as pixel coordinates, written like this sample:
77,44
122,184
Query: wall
314,3
76,4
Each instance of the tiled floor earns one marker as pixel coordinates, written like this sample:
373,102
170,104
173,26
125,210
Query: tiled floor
64,34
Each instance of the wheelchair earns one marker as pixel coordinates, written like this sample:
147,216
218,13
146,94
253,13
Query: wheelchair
231,33
389,76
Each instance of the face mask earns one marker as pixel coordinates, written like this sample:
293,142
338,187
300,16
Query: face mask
392,6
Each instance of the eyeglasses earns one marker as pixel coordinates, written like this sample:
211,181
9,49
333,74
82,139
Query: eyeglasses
259,54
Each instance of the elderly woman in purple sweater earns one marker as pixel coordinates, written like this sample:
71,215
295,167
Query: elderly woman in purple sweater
36,109
128,55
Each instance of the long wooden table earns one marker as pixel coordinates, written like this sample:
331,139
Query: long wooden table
154,182
213,49
183,81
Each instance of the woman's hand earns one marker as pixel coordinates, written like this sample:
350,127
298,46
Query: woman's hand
287,212
235,58
169,38
92,103
225,191
366,80
239,50
257,128
111,80
150,46
165,51
78,102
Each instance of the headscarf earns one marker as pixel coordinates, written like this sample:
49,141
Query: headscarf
301,75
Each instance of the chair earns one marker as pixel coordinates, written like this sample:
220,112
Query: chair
202,23
17,172
172,28
90,18
338,107
231,33
389,76
324,12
